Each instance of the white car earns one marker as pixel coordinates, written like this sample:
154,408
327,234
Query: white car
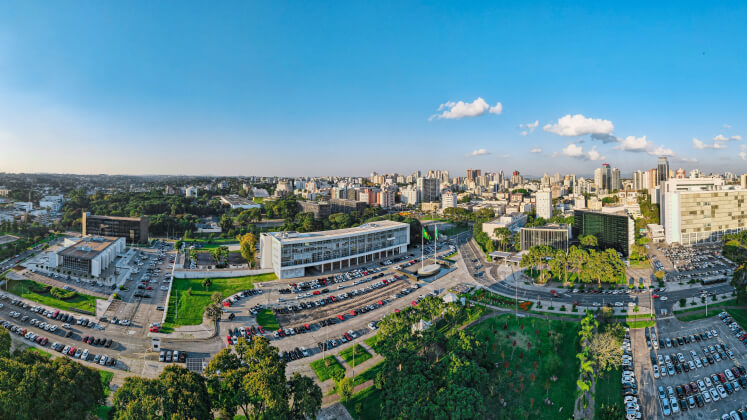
729,375
707,396
656,371
708,382
721,391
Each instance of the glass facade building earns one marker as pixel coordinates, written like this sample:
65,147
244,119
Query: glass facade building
290,253
612,230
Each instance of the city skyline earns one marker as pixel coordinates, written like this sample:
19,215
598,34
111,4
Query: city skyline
329,89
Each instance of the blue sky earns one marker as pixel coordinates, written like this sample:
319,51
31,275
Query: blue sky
345,88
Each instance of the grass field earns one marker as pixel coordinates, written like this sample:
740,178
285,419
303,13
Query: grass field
361,355
192,306
640,324
530,352
323,372
266,318
80,301
210,243
372,341
365,405
369,374
40,351
102,411
608,390
739,315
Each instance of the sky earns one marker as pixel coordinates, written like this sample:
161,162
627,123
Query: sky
346,88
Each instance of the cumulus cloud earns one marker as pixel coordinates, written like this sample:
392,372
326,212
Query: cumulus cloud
456,110
529,128
743,152
479,152
575,151
701,145
578,125
536,150
722,137
605,138
661,151
688,160
634,144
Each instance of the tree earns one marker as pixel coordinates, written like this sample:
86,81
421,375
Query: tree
5,343
178,244
605,350
226,222
305,397
589,241
503,235
206,282
177,393
248,247
217,297
345,388
214,311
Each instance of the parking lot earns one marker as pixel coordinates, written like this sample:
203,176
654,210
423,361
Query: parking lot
677,362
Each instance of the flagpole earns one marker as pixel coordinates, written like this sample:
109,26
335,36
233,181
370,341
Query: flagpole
435,244
422,247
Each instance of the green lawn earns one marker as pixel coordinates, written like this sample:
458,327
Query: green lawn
40,351
739,315
210,243
527,358
608,390
361,355
79,301
266,318
192,306
365,405
372,341
102,411
369,374
323,372
640,324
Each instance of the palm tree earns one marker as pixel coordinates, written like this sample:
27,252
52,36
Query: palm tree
206,283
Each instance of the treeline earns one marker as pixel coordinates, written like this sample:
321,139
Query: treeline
28,234
735,249
578,265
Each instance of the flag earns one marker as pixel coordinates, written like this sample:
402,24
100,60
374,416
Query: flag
425,235
436,235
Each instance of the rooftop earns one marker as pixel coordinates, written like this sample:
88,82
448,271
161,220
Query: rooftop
368,227
88,248
134,219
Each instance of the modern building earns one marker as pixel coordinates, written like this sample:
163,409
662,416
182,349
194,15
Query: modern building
662,170
472,174
133,229
290,254
513,222
386,196
448,200
429,189
341,205
409,196
544,204
190,192
701,210
90,255
612,230
52,202
320,210
238,202
557,236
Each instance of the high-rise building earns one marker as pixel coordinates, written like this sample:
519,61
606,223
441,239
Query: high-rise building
473,173
662,169
701,210
428,189
386,196
516,178
612,230
743,181
603,177
409,196
544,204
134,229
556,236
615,180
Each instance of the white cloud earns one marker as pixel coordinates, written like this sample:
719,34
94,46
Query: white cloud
536,150
743,153
661,151
688,160
727,126
575,151
722,137
578,125
461,109
529,128
479,152
700,145
634,144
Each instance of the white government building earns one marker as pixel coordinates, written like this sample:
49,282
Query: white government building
288,254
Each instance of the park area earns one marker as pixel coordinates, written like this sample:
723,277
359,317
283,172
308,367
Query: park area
538,365
189,297
44,294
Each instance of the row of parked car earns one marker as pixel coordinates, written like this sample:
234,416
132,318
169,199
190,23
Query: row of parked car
332,298
709,389
629,383
23,332
176,356
734,327
661,342
85,354
229,301
244,332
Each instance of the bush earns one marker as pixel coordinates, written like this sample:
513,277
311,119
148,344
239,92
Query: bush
682,302
562,308
39,288
62,293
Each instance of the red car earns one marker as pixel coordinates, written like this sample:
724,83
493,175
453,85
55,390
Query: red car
72,351
341,317
316,292
553,292
226,303
149,288
348,337
353,313
721,377
307,326
655,296
414,303
228,340
381,302
261,330
85,339
154,329
396,311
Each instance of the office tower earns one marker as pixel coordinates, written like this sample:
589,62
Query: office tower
448,200
544,204
614,180
612,230
135,229
662,169
428,189
472,174
701,210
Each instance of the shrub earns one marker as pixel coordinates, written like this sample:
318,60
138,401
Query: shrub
39,288
562,308
62,293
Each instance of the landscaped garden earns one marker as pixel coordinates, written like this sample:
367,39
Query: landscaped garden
192,297
608,390
51,296
355,357
266,318
327,368
490,298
